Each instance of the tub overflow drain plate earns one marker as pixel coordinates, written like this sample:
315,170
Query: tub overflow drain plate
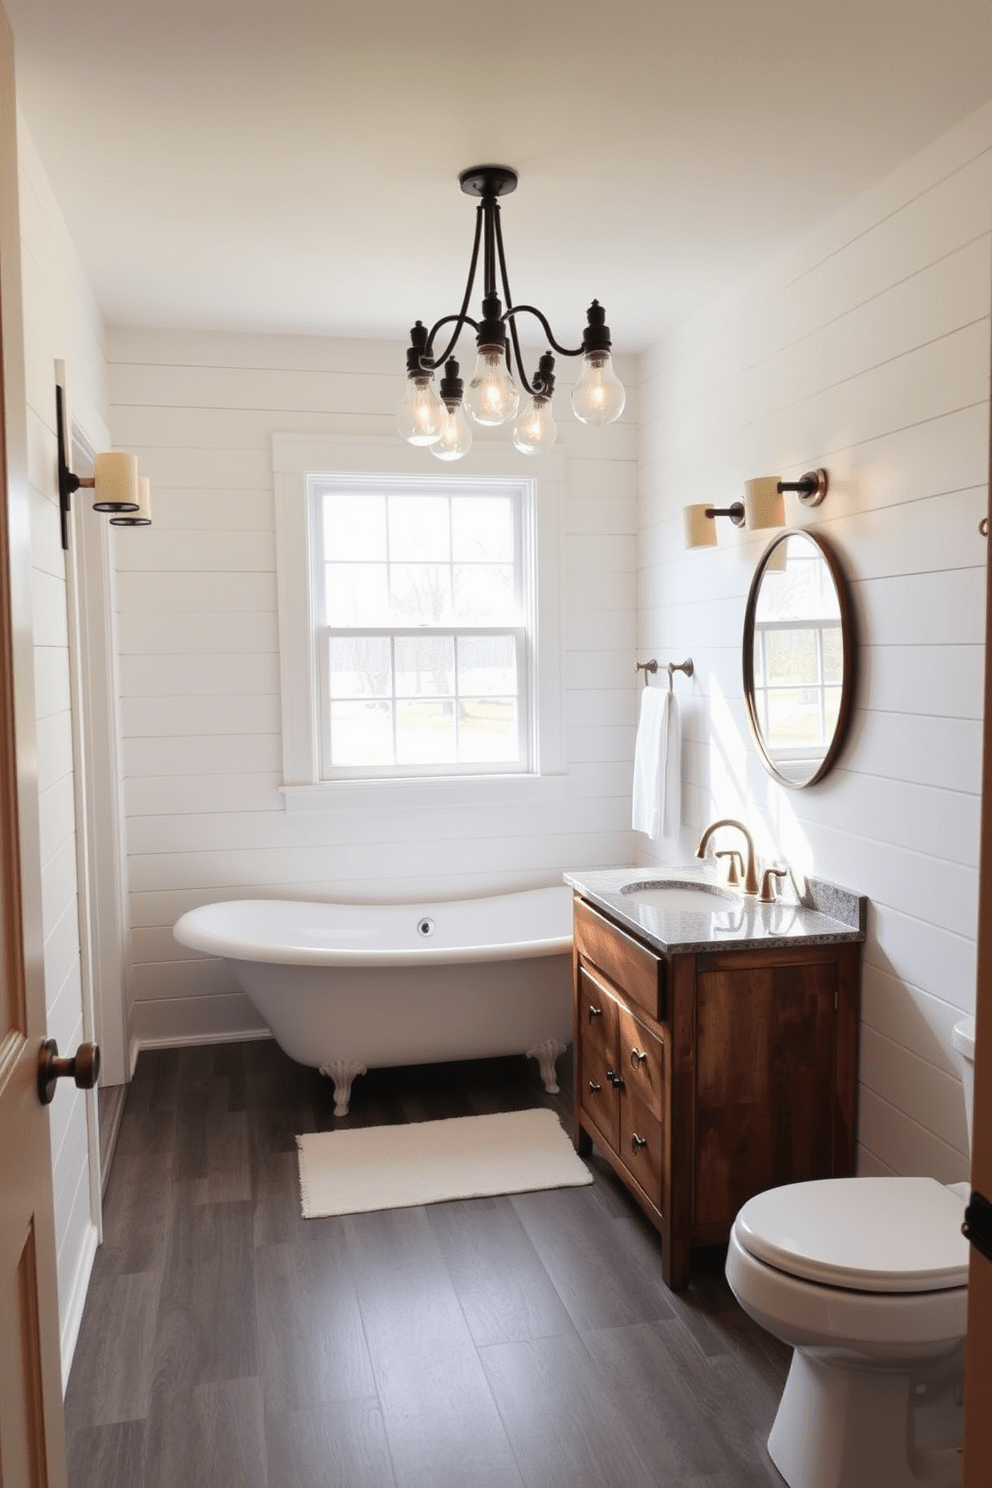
426,926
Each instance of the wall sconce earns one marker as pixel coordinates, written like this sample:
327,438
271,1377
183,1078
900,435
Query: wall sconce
762,507
115,483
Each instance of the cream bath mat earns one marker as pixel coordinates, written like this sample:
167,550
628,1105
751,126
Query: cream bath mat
465,1157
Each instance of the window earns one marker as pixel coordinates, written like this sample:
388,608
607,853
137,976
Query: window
424,600
418,621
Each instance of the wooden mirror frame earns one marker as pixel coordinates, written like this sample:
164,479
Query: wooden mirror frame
847,654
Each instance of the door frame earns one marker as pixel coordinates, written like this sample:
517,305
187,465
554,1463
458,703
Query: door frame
31,1388
978,1372
100,846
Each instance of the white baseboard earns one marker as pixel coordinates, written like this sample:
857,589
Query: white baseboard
173,1022
76,1301
188,1041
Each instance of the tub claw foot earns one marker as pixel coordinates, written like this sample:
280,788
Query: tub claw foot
546,1054
342,1072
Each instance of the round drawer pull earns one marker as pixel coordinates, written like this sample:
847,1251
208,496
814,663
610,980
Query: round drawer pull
638,1142
594,1086
615,1080
594,1012
637,1056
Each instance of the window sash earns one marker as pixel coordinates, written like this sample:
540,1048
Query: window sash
381,555
517,763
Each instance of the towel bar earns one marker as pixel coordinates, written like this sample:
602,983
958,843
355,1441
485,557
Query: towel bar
672,667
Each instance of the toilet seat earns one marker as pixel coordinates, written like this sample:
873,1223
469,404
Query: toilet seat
861,1234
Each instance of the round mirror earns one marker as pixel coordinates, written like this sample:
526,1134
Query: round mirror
798,658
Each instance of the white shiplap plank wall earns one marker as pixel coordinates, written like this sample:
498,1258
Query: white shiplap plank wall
198,636
864,349
61,321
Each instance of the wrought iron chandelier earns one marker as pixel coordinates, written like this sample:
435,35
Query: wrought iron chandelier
437,418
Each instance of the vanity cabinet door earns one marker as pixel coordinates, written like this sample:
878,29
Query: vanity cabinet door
642,1062
596,1042
766,1046
641,1144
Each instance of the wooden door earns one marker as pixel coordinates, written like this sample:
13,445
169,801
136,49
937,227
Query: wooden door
32,1448
978,1378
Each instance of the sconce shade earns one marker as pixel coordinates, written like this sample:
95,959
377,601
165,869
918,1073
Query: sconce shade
143,516
115,482
763,504
698,526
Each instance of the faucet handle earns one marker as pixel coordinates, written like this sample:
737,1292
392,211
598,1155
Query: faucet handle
735,867
766,894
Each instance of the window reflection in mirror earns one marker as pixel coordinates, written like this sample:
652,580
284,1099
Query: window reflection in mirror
798,658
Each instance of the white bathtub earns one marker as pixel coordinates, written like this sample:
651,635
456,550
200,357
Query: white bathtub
348,987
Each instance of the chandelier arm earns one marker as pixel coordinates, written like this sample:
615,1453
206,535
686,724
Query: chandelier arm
538,384
515,345
533,310
514,339
429,362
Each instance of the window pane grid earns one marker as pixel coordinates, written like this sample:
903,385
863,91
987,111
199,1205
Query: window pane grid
425,698
435,559
796,717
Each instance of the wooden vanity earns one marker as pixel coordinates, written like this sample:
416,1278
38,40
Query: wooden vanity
709,1070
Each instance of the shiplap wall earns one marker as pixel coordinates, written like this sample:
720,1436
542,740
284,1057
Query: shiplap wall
865,350
199,663
61,320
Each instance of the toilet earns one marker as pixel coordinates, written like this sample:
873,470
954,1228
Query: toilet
866,1279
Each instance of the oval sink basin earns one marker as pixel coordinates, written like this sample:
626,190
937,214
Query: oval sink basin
683,897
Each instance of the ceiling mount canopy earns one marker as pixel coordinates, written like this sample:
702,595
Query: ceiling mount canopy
437,419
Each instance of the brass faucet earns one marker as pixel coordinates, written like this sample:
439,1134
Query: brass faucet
750,862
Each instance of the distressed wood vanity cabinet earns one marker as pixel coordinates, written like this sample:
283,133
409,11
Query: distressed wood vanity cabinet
708,1075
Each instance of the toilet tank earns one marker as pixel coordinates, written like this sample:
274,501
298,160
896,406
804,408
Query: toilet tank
963,1039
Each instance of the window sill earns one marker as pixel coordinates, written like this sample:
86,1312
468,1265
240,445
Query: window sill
425,794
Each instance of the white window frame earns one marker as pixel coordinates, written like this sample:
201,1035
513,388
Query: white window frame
295,459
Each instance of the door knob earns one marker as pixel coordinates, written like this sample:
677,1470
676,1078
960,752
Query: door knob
84,1067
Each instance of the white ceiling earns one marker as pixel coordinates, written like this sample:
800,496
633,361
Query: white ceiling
291,165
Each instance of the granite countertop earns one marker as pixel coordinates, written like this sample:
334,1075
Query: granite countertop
824,915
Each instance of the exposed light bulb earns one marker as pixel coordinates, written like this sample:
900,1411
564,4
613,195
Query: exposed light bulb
598,397
535,429
492,397
420,417
456,436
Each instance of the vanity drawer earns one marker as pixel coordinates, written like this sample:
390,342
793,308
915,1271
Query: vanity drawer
642,1062
641,1147
636,971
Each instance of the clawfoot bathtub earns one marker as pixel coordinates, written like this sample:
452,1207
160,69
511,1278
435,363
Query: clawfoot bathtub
349,987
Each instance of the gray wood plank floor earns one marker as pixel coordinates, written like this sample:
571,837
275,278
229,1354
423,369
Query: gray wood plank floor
513,1342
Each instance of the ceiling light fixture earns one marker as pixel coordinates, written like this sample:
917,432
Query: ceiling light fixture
437,419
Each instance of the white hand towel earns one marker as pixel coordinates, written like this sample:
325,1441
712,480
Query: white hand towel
657,796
